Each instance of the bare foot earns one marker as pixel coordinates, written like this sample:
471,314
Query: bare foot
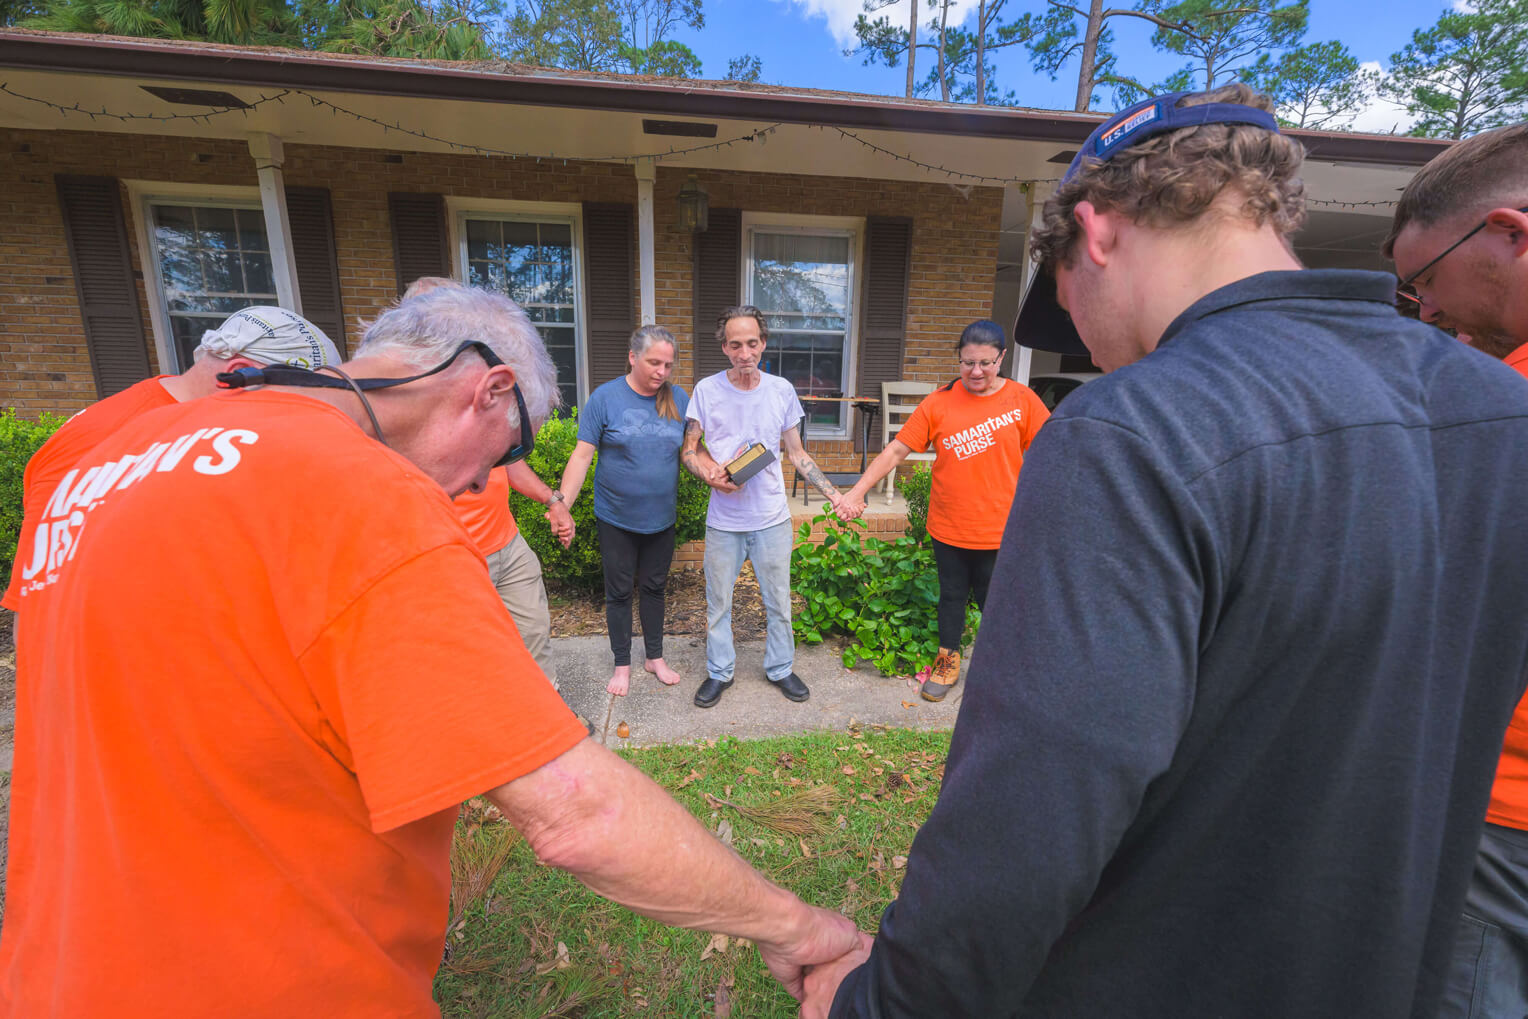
658,667
620,680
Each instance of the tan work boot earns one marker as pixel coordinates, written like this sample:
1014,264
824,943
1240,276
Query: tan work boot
944,677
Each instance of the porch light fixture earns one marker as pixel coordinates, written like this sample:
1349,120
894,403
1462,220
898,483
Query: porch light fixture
694,206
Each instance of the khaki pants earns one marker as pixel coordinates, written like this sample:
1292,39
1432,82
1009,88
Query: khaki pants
516,572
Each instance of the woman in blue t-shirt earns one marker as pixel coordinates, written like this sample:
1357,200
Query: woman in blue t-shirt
636,424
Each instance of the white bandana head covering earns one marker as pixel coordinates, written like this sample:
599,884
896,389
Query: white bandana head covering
270,336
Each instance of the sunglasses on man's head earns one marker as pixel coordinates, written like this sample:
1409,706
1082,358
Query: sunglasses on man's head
527,439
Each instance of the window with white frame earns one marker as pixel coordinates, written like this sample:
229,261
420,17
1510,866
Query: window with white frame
210,260
802,278
531,261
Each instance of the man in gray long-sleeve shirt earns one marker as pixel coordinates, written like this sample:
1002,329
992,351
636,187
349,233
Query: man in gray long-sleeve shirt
1258,624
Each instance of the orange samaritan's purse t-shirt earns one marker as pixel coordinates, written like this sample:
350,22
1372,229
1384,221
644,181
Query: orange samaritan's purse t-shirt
259,671
74,438
1509,796
486,514
979,444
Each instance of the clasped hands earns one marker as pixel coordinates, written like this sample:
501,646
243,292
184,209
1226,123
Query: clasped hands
813,964
561,521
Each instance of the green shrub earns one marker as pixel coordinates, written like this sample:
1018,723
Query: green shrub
882,595
19,439
915,489
579,565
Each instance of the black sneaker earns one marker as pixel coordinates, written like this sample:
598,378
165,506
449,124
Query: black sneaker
711,691
793,688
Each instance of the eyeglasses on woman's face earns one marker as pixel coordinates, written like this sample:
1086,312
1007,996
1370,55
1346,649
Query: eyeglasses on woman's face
983,365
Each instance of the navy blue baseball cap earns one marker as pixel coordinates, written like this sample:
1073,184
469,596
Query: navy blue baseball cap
1042,324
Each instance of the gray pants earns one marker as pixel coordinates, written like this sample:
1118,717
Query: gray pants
1488,975
516,572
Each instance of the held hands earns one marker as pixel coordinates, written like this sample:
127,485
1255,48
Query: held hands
850,506
561,520
826,937
823,980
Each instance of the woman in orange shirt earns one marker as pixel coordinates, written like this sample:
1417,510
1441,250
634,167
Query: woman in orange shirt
979,427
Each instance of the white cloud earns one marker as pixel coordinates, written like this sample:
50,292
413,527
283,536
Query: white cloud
1381,116
840,14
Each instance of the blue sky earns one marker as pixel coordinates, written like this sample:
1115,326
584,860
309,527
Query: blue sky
801,43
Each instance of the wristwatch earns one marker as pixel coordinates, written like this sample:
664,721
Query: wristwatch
555,497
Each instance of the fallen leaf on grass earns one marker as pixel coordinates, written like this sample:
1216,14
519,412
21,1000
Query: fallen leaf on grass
751,770
806,850
898,862
560,962
718,943
692,776
724,831
723,1008
848,769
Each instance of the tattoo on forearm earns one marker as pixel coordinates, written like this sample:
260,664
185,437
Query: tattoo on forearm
690,455
813,474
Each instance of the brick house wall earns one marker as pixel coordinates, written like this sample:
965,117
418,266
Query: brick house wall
44,365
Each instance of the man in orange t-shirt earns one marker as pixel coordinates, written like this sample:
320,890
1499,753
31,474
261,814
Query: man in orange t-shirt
270,666
1460,244
979,429
512,563
251,336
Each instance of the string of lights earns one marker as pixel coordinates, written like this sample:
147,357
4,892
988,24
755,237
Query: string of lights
163,118
979,178
759,134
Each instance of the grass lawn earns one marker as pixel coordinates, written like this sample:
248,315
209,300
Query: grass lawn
536,944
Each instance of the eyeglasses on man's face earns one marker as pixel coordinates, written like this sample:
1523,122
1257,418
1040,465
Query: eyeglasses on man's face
973,365
1407,290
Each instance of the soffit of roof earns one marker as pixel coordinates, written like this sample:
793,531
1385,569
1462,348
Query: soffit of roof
497,81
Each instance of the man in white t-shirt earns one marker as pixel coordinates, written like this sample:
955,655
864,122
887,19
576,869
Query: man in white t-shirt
732,410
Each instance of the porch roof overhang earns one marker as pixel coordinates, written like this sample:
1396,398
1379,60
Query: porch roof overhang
555,113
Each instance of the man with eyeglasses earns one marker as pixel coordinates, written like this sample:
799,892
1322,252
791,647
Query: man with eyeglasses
273,665
1460,242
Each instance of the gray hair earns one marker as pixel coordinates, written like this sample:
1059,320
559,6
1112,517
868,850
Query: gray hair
647,335
424,330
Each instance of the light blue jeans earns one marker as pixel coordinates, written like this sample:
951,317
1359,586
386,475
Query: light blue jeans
770,552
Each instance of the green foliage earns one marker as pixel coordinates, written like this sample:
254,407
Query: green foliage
19,439
1219,41
630,36
580,564
1316,86
915,489
744,68
882,595
434,29
1467,73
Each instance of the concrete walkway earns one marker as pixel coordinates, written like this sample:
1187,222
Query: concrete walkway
750,708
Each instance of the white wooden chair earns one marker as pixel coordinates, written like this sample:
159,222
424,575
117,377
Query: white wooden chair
898,400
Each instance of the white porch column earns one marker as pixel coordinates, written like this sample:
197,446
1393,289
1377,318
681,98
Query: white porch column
647,172
268,153
1034,196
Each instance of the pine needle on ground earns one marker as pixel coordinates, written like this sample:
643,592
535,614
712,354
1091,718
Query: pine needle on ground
803,812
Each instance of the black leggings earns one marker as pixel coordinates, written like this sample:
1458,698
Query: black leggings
963,573
643,558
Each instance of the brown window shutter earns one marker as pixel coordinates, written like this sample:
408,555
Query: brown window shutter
103,279
718,277
609,229
318,272
883,326
420,247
